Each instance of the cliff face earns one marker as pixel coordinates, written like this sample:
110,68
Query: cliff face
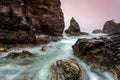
43,15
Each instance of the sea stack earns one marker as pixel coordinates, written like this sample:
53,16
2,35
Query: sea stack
74,29
111,27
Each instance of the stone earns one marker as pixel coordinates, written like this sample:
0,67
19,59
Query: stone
66,70
18,55
74,29
100,52
97,31
111,27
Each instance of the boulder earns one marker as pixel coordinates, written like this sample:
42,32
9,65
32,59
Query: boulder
103,53
74,29
66,70
97,31
110,27
18,55
44,15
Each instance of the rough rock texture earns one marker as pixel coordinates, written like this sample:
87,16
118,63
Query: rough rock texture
74,28
43,15
11,37
97,31
103,53
66,70
110,27
16,55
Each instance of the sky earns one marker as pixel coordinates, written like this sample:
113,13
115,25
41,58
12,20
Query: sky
90,14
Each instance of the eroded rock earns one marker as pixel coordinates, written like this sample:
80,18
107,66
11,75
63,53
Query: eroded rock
103,53
74,29
66,70
44,15
111,27
18,55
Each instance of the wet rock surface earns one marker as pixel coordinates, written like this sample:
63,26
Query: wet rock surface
10,37
111,27
43,15
97,31
66,70
74,29
18,55
103,53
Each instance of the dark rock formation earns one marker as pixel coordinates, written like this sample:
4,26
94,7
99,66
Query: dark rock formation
66,70
43,15
110,27
103,53
11,37
74,29
97,31
16,55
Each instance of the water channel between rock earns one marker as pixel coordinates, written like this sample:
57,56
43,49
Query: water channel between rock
36,68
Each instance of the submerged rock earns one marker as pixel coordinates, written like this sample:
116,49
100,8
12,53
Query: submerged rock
103,53
74,29
17,55
110,27
66,70
97,31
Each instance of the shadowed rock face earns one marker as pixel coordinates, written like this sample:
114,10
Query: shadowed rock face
110,27
43,15
103,53
66,70
74,29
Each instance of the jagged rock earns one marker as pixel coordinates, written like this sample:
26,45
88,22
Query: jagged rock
103,53
74,29
43,15
66,70
97,31
15,55
110,27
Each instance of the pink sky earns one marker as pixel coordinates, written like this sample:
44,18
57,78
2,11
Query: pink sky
91,14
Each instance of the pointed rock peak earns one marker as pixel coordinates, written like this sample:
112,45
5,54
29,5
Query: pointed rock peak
72,19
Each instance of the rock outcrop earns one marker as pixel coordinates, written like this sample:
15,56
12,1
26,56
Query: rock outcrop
46,16
103,53
97,31
66,70
21,37
74,29
18,55
28,16
110,27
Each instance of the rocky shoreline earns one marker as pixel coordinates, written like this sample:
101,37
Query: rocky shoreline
100,53
26,23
